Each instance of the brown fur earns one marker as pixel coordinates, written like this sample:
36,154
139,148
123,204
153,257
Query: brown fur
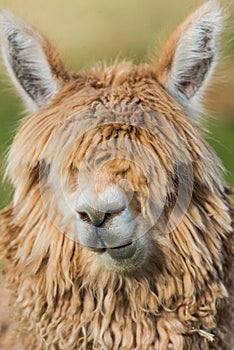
62,296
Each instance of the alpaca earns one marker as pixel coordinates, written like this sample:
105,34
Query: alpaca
120,232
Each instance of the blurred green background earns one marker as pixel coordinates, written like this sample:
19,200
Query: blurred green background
88,31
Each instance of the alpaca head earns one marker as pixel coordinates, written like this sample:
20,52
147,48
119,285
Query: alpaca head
114,153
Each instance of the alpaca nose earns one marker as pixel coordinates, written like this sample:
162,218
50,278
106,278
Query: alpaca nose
97,210
104,219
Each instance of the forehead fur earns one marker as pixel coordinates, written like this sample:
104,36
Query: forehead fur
123,101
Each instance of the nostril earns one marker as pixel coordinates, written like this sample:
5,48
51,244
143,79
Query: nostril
84,216
92,216
112,214
108,216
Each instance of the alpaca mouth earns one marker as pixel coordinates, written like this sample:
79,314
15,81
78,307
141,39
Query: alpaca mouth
122,246
102,250
124,251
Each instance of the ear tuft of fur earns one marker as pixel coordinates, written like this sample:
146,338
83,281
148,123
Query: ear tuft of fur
32,63
191,54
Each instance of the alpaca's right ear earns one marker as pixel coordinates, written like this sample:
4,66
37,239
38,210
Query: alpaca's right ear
32,63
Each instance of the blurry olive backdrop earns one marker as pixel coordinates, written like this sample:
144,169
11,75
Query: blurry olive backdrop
89,31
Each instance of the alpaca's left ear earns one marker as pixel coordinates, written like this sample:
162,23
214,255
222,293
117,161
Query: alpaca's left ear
32,63
191,54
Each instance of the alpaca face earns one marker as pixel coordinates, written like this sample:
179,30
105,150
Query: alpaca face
112,151
113,209
107,179
102,187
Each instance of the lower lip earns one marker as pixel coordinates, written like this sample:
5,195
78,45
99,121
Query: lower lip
118,253
121,253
